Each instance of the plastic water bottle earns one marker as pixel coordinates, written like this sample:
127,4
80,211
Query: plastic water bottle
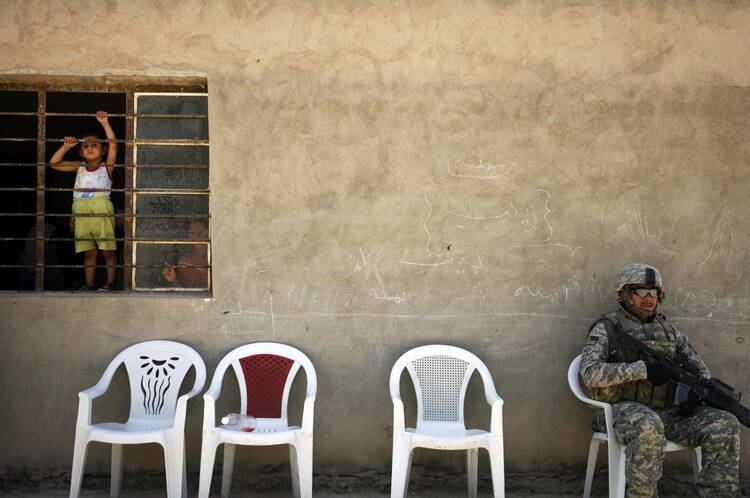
237,421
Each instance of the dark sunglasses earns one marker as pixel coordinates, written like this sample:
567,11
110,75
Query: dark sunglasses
646,292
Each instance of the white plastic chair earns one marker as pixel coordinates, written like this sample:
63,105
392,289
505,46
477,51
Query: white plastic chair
441,375
265,372
155,370
616,449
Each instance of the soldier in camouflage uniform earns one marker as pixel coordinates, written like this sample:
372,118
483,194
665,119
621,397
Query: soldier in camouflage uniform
642,395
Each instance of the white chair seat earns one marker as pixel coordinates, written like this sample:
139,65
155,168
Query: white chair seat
668,447
130,427
112,432
259,437
447,432
261,429
449,439
440,375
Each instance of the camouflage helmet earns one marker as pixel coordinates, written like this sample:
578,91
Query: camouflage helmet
640,274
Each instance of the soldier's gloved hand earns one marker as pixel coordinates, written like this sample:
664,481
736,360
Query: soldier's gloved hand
658,374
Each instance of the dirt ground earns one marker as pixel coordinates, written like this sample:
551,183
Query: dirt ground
373,484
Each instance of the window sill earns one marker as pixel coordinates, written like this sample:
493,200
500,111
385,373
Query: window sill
166,294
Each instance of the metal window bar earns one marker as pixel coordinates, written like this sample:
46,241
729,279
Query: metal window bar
100,266
117,239
116,215
126,165
145,190
111,115
139,141
129,207
130,268
40,176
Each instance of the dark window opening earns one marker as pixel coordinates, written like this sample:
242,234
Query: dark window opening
19,193
159,187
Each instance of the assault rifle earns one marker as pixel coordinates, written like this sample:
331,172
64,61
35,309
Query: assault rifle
692,387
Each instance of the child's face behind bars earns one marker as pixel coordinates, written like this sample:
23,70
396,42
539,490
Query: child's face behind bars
92,150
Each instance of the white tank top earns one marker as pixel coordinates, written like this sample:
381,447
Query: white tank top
98,179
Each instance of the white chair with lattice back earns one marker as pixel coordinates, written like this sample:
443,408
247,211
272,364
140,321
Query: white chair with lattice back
265,373
155,370
616,451
441,375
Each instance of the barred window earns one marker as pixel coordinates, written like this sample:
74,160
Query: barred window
159,185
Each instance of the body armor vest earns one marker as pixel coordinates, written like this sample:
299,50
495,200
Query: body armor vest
656,334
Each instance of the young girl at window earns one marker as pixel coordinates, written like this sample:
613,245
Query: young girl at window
92,209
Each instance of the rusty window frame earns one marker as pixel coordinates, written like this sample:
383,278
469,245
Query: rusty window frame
42,84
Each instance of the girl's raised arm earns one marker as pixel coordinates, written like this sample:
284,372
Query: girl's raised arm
56,161
103,119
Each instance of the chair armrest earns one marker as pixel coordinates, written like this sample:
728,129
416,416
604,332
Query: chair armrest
398,416
609,419
308,413
608,414
93,392
84,409
214,390
209,411
595,403
607,407
213,393
86,396
496,419
491,396
181,410
100,387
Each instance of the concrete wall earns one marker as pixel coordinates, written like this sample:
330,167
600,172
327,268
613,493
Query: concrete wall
386,174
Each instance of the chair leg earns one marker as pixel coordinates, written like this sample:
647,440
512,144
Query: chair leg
408,473
304,452
208,455
174,457
80,449
399,467
184,474
616,464
294,469
591,467
497,465
472,462
695,458
118,465
227,469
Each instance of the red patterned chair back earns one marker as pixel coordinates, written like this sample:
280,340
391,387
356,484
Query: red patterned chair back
265,381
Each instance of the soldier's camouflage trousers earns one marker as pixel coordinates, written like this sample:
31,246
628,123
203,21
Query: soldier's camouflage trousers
644,429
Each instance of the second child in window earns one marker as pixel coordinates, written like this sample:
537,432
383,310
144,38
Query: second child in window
192,268
93,211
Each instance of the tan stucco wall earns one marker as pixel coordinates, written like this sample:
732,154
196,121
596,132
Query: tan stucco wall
386,174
